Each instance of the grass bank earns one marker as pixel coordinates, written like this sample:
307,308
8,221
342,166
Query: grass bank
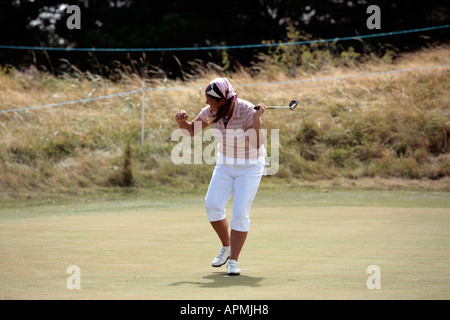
385,131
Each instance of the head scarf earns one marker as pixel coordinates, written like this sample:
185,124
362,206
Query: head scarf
221,88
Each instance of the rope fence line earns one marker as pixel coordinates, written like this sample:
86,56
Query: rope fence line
347,77
261,45
71,102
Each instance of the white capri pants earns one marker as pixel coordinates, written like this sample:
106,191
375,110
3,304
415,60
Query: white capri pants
242,180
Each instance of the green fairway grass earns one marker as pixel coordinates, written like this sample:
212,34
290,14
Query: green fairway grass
302,244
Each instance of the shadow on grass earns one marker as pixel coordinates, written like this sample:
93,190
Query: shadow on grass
222,280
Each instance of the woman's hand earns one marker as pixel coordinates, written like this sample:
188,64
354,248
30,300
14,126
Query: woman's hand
181,116
260,110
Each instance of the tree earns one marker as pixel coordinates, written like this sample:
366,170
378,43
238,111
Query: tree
141,23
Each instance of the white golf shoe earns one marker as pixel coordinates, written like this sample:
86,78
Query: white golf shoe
222,257
233,268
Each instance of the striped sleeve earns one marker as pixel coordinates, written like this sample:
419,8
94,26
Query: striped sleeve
206,115
248,117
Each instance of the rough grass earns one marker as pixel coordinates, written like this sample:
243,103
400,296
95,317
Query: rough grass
388,127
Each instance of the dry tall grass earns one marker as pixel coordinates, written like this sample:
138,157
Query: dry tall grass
386,126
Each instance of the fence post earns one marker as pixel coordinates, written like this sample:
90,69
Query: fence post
143,113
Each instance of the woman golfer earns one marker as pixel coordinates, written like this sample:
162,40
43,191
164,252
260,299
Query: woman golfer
239,167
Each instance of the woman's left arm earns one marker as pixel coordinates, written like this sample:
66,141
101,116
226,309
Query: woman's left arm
256,128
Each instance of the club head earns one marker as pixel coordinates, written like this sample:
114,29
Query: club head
293,104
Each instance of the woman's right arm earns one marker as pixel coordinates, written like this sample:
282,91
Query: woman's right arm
181,117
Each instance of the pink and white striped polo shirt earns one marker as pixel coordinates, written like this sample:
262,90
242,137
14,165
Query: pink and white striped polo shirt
233,141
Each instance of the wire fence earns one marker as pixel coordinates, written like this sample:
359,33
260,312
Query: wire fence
211,48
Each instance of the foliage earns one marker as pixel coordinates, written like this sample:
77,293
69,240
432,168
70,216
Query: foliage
160,24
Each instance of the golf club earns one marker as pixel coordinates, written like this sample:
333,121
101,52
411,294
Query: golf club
292,105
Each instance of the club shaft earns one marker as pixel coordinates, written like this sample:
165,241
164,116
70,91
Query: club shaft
291,106
274,107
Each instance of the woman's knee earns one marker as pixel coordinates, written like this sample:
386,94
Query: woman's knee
214,211
240,223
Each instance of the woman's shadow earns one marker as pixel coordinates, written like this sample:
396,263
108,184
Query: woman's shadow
222,280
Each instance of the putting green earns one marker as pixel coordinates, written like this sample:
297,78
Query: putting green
313,246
